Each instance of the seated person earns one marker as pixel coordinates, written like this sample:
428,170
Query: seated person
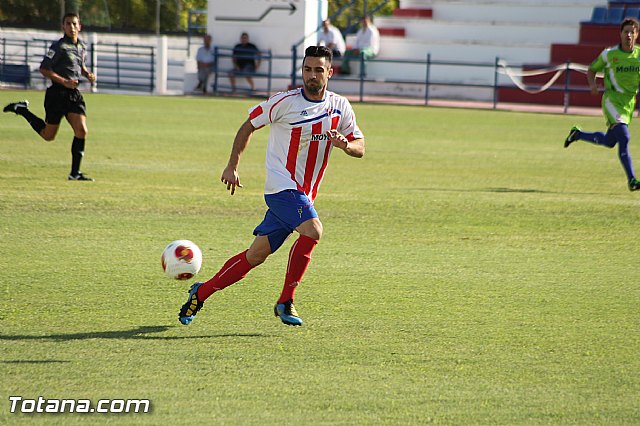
246,60
205,57
367,43
331,37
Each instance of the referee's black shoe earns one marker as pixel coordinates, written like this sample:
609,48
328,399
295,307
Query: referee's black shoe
80,176
14,106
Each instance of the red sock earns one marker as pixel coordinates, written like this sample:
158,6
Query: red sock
299,258
233,271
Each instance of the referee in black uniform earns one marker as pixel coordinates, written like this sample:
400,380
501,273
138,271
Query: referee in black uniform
64,64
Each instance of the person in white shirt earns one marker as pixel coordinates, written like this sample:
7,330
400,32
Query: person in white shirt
367,44
331,37
306,125
205,57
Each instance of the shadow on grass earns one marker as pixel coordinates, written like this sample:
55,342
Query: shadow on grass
141,333
521,190
35,361
498,190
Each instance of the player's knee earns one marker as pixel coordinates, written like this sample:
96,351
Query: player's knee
81,133
47,134
623,150
621,133
314,230
623,139
257,257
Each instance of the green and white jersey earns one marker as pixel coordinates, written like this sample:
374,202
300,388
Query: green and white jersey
621,79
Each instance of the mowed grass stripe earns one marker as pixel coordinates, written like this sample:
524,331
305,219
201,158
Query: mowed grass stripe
472,271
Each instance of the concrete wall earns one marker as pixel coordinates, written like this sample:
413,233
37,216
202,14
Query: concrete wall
517,31
271,25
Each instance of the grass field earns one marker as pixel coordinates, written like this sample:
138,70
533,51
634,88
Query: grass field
472,271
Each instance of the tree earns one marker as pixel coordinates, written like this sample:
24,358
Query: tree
136,15
350,17
30,12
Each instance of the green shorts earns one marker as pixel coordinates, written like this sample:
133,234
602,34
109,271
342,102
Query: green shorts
618,108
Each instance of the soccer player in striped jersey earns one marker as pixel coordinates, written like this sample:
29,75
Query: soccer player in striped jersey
306,125
621,68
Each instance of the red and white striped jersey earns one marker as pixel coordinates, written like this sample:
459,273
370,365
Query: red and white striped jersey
298,149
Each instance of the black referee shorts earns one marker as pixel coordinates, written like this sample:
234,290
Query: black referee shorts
60,101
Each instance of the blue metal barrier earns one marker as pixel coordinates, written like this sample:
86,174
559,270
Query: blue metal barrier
14,65
221,53
130,67
126,67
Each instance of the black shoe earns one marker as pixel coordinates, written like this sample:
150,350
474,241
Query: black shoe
634,184
14,106
80,176
573,136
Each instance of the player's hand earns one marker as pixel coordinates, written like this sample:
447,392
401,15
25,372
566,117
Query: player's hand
231,179
337,139
70,84
91,77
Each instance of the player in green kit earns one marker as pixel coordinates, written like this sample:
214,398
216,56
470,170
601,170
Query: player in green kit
621,68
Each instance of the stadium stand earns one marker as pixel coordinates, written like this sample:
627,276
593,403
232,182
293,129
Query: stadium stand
599,15
614,15
595,34
633,12
522,34
515,31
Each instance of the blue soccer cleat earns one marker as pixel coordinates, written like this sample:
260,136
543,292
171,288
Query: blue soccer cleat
634,184
287,313
191,307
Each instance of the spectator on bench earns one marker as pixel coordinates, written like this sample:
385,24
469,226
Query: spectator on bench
331,37
367,43
205,57
246,60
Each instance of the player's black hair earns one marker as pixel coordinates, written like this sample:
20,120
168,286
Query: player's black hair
318,52
70,15
630,21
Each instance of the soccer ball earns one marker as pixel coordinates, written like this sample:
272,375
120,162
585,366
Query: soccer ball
181,260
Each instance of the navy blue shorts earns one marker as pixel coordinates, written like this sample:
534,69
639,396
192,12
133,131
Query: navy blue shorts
288,209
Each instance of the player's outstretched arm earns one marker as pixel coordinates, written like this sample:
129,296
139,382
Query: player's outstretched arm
230,175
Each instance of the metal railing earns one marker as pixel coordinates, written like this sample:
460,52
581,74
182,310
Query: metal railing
225,54
362,77
365,80
126,67
14,54
133,68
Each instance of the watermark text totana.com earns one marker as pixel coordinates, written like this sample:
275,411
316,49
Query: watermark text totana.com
18,404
